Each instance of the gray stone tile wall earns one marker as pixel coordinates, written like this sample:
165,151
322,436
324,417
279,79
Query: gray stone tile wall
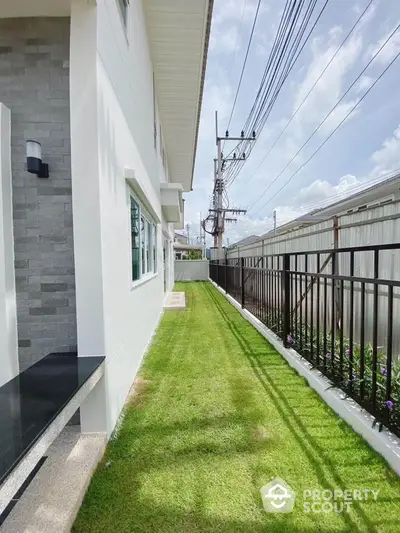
34,84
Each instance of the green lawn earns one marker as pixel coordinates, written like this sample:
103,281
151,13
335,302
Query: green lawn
219,414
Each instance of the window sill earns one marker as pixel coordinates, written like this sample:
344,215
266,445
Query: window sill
144,279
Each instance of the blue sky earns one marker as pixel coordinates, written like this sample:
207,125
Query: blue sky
365,147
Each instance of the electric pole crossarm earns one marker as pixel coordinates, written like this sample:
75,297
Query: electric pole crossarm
236,138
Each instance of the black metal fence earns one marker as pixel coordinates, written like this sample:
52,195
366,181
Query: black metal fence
347,326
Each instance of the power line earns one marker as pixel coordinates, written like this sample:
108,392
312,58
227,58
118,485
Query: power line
331,111
314,208
262,109
245,61
237,39
331,134
310,91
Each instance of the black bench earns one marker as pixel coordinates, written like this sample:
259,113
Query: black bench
34,408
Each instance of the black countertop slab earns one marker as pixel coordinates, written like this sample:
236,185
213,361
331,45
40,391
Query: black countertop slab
31,401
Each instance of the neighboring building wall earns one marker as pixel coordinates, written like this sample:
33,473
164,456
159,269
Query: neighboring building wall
372,226
191,270
180,238
375,225
34,84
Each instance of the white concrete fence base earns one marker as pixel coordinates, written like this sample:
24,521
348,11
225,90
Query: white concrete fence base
384,442
191,270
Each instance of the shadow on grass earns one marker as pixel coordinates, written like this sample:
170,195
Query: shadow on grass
322,463
118,499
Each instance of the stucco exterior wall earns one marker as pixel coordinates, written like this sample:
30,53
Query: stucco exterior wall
116,317
8,302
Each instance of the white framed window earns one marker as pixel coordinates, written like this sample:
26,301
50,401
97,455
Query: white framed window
143,240
135,239
154,245
143,243
148,247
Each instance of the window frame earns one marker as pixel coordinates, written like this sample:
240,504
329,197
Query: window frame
147,248
133,200
154,246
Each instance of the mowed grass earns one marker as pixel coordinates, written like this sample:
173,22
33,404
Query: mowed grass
218,415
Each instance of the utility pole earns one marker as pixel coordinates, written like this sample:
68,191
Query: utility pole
218,213
187,233
274,217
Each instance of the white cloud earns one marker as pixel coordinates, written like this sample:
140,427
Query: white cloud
216,97
332,84
387,158
225,40
389,51
364,83
321,190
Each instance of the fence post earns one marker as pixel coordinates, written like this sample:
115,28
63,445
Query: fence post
242,280
225,275
286,298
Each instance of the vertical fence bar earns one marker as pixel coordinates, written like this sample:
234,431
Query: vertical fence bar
242,259
275,295
300,304
341,318
225,275
260,289
280,296
286,300
375,331
325,317
263,289
318,347
295,296
312,281
269,315
389,350
292,305
362,341
306,304
333,312
351,323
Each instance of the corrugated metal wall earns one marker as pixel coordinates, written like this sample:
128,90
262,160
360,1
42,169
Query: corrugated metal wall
377,225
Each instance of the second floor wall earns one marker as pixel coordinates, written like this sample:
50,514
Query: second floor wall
124,58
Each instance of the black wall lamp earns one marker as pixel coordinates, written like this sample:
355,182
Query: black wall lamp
34,160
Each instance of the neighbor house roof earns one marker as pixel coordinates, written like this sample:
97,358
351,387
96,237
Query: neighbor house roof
246,240
383,191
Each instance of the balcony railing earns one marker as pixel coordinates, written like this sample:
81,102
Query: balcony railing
338,308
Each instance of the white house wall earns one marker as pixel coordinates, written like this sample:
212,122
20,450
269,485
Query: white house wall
118,316
8,302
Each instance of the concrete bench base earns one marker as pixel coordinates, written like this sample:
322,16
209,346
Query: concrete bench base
52,500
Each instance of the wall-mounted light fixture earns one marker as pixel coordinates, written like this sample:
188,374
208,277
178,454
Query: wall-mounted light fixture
34,159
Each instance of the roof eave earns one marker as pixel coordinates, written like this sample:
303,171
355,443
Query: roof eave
203,76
